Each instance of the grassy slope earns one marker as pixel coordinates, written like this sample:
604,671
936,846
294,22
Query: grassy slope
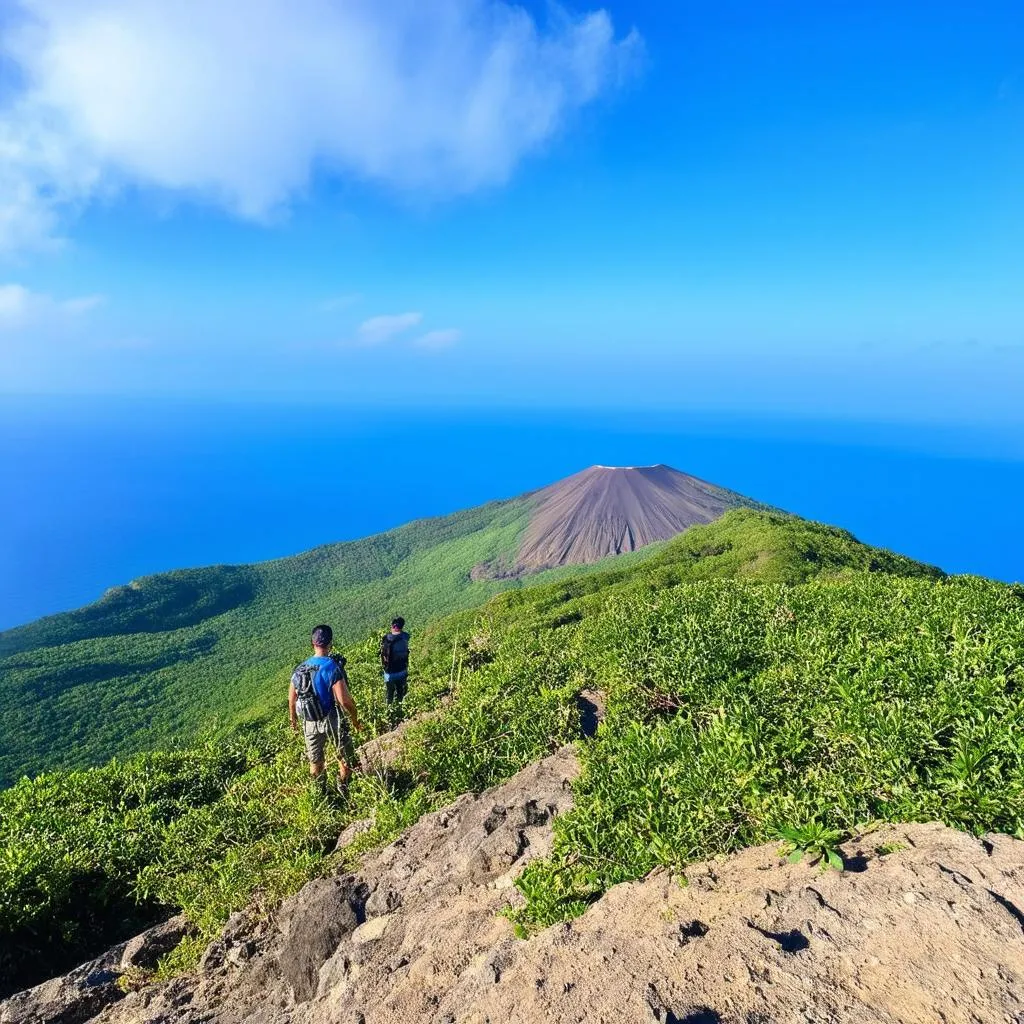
743,713
176,656
762,671
153,663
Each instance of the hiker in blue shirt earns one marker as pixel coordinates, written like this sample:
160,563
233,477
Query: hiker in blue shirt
319,687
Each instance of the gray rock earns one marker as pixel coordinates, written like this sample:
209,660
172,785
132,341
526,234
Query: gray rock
239,929
371,930
146,949
353,831
751,938
74,998
329,910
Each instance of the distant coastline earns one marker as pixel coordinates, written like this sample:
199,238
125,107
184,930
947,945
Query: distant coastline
135,488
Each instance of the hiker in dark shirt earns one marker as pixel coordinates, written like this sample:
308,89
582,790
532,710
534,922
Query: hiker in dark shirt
394,660
319,689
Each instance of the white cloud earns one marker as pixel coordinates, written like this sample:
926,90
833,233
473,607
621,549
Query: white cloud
21,308
240,104
440,339
379,329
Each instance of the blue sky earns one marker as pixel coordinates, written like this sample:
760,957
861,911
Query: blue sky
808,208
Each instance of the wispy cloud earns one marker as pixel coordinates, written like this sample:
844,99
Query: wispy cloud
83,304
21,308
436,340
379,329
204,101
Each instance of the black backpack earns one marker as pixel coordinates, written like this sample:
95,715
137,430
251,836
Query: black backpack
394,652
307,703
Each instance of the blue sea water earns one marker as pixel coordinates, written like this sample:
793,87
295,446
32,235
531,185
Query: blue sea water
98,493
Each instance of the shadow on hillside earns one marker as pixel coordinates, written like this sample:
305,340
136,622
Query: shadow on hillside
87,932
591,707
153,604
42,681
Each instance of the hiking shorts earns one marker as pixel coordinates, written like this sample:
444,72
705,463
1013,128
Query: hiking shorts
335,728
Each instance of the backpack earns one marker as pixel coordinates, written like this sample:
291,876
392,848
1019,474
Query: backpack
307,703
394,653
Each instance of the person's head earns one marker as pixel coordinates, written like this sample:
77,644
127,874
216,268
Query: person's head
397,624
322,637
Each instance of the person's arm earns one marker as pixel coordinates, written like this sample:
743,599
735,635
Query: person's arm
344,698
292,715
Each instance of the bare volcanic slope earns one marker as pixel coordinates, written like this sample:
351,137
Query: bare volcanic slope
608,510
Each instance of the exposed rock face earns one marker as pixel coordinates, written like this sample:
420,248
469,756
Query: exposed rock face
389,943
381,752
82,993
72,999
608,510
325,913
146,949
931,930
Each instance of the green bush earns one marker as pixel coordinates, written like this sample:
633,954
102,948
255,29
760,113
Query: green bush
72,843
738,711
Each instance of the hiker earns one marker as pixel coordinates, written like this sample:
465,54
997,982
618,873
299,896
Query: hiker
394,660
319,687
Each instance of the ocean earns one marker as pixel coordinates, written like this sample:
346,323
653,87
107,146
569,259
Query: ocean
98,492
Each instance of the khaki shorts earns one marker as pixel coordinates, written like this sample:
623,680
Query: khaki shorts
317,733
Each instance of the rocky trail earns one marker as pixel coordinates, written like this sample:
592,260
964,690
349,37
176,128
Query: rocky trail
925,925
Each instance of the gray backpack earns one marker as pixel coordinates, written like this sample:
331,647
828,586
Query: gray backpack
307,703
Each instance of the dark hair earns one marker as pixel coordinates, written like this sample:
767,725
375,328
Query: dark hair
322,636
398,623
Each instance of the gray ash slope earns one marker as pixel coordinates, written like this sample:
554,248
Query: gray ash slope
609,510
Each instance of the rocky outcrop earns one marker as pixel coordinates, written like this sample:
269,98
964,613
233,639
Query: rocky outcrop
925,925
384,751
74,998
389,942
81,994
315,926
145,950
930,932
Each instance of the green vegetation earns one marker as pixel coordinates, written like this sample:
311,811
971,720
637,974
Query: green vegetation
743,713
766,678
813,841
153,664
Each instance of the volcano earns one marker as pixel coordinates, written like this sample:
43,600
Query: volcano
608,510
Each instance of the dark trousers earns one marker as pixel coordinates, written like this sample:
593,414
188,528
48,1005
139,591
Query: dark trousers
397,686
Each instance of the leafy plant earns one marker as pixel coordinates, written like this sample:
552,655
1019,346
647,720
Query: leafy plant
814,842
